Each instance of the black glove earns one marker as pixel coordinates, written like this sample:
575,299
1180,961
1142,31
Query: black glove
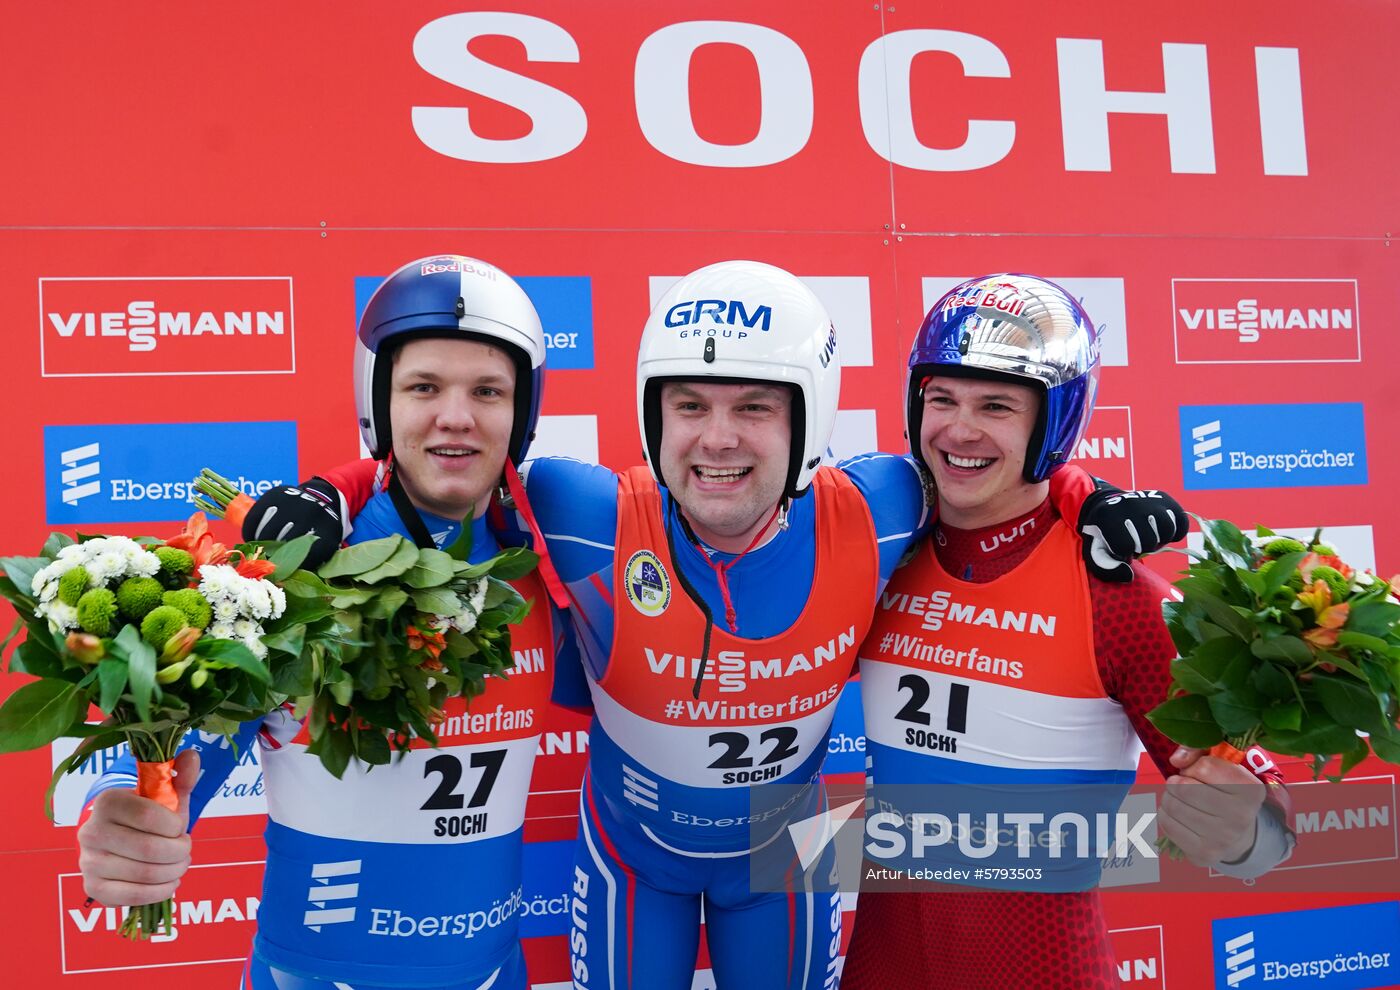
1117,526
289,511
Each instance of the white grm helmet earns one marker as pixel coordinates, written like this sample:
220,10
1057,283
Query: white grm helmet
744,321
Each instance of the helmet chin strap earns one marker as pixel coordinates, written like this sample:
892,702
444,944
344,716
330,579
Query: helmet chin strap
408,512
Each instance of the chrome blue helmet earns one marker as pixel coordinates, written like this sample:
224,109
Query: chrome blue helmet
448,295
1016,328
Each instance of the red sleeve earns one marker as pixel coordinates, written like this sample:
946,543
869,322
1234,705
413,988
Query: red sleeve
1069,487
355,481
1135,651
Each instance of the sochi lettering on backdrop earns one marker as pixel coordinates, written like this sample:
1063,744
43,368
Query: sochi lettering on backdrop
565,306
662,99
1350,948
845,297
1106,449
1273,446
1139,953
194,325
1102,298
215,915
144,472
1266,320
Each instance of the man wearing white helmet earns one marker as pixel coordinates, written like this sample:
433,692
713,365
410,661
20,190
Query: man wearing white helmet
1020,683
718,606
448,373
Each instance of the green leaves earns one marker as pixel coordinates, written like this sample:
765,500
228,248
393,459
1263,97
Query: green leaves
289,556
432,569
362,557
1255,666
38,713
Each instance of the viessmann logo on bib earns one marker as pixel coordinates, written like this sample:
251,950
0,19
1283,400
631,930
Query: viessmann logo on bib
1265,320
114,327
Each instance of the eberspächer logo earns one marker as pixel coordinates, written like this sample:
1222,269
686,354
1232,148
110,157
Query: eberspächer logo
143,472
1276,446
1342,948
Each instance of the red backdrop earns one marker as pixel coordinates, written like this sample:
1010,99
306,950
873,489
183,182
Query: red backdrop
266,158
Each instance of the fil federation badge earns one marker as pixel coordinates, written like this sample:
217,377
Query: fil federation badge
648,586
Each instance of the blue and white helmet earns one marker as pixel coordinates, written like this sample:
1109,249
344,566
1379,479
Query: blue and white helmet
1016,328
448,295
741,321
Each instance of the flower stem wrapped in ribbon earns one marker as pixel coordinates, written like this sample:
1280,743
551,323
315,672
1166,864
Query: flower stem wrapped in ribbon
162,637
1285,646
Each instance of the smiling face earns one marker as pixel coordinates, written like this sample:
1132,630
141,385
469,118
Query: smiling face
974,437
451,407
724,455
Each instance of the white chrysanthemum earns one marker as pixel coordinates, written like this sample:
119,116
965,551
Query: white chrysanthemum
279,600
225,610
254,600
47,592
217,582
60,614
222,630
244,628
73,554
103,567
479,596
464,621
141,562
255,645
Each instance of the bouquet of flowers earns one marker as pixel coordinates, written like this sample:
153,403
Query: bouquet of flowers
417,626
161,636
1283,645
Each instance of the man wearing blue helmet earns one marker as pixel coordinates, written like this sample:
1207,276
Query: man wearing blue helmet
1001,675
719,593
364,886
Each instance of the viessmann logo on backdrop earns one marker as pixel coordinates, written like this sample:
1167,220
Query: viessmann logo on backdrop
1282,446
1266,320
100,327
565,305
143,472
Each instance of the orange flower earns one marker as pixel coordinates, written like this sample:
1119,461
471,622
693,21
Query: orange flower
430,640
1329,624
255,567
1315,560
197,541
1317,598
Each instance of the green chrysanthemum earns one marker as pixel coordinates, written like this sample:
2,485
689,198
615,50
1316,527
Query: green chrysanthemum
192,605
96,609
72,585
137,596
1283,545
174,562
163,622
1338,585
1326,549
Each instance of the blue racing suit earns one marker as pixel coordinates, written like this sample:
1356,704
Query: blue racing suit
406,875
665,831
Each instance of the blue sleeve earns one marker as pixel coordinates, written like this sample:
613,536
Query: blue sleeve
575,505
217,758
570,685
894,490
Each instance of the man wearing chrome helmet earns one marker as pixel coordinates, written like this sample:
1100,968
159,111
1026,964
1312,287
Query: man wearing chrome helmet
1022,681
448,372
718,606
